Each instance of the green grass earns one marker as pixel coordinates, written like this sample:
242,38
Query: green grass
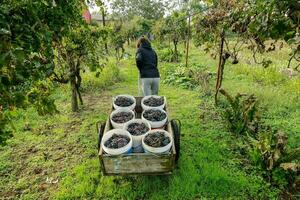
206,167
57,158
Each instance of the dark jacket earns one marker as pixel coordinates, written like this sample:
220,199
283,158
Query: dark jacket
146,61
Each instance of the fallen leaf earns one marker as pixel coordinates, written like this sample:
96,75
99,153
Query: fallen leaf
290,166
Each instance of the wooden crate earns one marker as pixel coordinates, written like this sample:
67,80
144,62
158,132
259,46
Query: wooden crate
138,163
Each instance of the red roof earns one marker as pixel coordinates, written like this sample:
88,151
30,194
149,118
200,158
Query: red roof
87,16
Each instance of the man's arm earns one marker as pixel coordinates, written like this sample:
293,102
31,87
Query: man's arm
155,59
139,59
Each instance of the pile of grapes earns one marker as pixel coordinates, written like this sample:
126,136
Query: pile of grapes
123,101
157,139
154,115
117,141
154,102
122,117
137,129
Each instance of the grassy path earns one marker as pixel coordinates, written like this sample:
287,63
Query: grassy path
56,156
206,168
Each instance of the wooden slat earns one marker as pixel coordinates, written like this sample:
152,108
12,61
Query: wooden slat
138,163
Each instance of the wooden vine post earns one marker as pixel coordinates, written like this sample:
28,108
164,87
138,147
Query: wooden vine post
104,24
188,42
222,60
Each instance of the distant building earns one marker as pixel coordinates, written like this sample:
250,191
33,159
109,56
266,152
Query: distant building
97,17
87,16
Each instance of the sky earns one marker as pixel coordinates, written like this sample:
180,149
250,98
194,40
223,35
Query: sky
94,9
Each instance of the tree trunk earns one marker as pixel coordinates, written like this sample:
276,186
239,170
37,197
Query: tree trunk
175,50
74,101
74,95
123,51
104,24
78,81
222,60
117,54
106,47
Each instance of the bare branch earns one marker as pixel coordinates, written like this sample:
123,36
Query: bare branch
291,58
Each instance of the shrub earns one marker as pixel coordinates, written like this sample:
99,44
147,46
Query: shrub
241,114
278,162
266,148
189,78
168,55
269,76
100,80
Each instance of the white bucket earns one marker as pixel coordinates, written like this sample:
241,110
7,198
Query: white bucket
157,124
137,139
157,150
126,149
131,107
145,107
120,125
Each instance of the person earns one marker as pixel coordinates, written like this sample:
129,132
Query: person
146,61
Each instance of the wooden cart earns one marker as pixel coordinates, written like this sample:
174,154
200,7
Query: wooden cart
140,163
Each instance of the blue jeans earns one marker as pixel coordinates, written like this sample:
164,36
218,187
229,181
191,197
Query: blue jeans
150,86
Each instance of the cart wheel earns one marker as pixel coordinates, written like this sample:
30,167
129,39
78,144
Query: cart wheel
100,131
176,125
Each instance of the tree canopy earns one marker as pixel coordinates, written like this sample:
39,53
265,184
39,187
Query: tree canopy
148,9
29,33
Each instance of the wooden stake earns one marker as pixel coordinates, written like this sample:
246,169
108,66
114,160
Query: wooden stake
188,43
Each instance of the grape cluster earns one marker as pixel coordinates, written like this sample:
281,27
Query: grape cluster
122,117
154,115
154,102
137,129
157,139
117,141
123,101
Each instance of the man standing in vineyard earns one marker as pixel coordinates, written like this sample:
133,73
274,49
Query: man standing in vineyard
146,61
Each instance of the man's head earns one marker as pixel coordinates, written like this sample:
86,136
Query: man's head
142,40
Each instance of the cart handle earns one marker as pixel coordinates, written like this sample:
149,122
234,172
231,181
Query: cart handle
178,122
100,126
176,125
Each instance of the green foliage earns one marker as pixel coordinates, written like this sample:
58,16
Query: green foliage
179,77
167,55
28,30
204,169
262,76
83,46
103,79
40,98
4,120
265,147
117,39
95,47
241,114
172,28
189,78
159,30
280,163
254,22
209,167
148,9
176,29
133,29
